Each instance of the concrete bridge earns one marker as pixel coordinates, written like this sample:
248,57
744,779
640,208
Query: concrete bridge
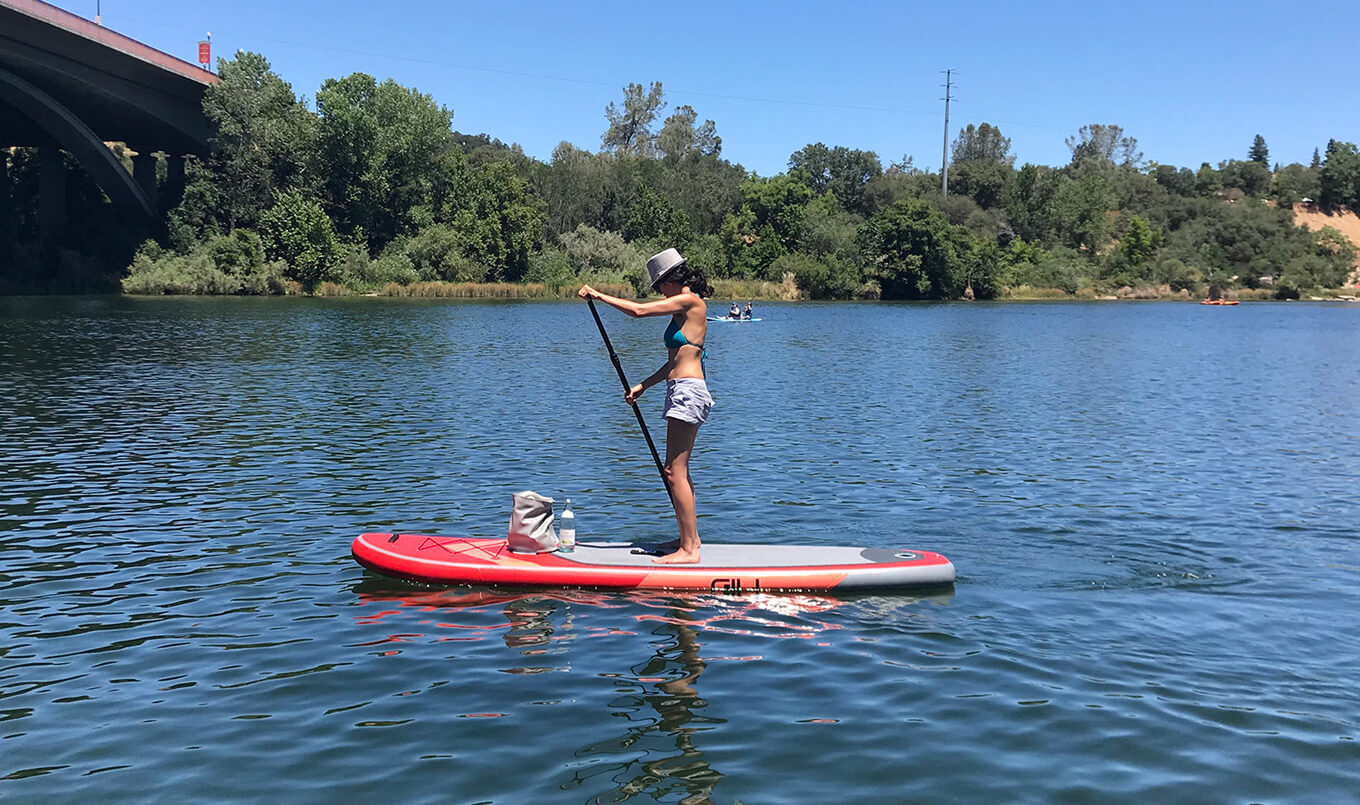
67,83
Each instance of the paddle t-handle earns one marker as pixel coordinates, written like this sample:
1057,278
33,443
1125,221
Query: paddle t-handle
618,367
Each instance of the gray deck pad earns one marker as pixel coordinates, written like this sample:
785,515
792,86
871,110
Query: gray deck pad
625,554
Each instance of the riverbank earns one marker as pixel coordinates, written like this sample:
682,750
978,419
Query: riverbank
786,291
756,290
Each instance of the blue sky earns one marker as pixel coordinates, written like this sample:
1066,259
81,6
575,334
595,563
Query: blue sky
1192,81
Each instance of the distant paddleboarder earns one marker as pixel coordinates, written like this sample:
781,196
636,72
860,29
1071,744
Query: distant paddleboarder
687,399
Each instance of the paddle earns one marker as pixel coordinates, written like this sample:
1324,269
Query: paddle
618,367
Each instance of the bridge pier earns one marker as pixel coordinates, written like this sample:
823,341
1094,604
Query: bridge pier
144,174
51,194
6,194
172,193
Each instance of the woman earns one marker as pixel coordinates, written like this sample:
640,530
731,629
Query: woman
687,399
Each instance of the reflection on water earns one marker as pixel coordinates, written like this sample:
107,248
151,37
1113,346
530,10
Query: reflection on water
657,755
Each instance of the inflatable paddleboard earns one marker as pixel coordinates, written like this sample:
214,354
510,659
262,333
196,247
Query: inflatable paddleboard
725,318
623,566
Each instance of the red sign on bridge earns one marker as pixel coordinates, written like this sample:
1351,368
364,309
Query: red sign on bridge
204,52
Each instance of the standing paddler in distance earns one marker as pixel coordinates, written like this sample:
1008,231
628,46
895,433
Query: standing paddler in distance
687,399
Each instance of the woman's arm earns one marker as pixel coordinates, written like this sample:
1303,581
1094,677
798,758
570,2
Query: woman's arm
662,307
651,380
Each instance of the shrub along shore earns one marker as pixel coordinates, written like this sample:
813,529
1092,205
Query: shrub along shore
744,290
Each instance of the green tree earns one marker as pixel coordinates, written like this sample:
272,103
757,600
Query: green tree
1258,151
296,230
239,255
843,171
1247,241
1338,251
827,229
984,181
705,188
437,253
650,216
1252,178
751,248
1207,180
680,138
377,152
261,136
1029,201
1293,183
630,128
575,187
1340,180
894,186
915,253
983,143
1105,144
778,203
499,222
1080,213
1306,273
1131,262
1177,182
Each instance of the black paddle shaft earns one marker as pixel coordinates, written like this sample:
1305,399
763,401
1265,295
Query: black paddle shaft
618,367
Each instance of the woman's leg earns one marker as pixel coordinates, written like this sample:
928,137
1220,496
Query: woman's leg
679,444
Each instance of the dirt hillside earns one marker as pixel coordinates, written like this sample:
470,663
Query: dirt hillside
1345,222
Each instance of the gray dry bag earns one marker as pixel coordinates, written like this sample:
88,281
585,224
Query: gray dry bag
531,524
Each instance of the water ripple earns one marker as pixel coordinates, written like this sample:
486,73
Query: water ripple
1157,554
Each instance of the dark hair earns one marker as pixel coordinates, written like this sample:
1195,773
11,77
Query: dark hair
694,277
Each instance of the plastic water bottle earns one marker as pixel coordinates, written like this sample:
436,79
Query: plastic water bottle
566,531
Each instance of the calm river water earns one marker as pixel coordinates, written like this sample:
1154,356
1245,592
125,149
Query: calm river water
1154,509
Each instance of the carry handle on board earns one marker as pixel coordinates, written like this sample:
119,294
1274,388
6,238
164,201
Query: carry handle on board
618,367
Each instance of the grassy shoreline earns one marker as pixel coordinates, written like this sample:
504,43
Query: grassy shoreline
754,290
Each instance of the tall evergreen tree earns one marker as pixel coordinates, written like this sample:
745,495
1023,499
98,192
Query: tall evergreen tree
1259,152
1317,159
1340,178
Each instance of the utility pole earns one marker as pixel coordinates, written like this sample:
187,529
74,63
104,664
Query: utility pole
98,18
944,153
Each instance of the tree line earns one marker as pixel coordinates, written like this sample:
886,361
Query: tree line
376,190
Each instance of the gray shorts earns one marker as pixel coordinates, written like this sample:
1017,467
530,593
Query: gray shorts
688,400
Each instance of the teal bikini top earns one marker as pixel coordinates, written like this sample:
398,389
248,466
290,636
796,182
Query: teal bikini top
674,339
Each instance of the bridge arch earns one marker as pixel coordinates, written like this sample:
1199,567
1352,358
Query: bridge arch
81,142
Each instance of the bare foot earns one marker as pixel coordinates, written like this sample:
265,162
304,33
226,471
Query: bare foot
678,558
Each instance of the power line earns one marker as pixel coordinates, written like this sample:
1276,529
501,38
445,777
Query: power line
540,76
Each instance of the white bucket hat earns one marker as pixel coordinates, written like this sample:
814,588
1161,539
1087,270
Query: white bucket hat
662,264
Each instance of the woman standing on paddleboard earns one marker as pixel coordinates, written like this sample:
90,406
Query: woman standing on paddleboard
687,399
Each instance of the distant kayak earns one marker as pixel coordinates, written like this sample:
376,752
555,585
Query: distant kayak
725,318
1219,302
